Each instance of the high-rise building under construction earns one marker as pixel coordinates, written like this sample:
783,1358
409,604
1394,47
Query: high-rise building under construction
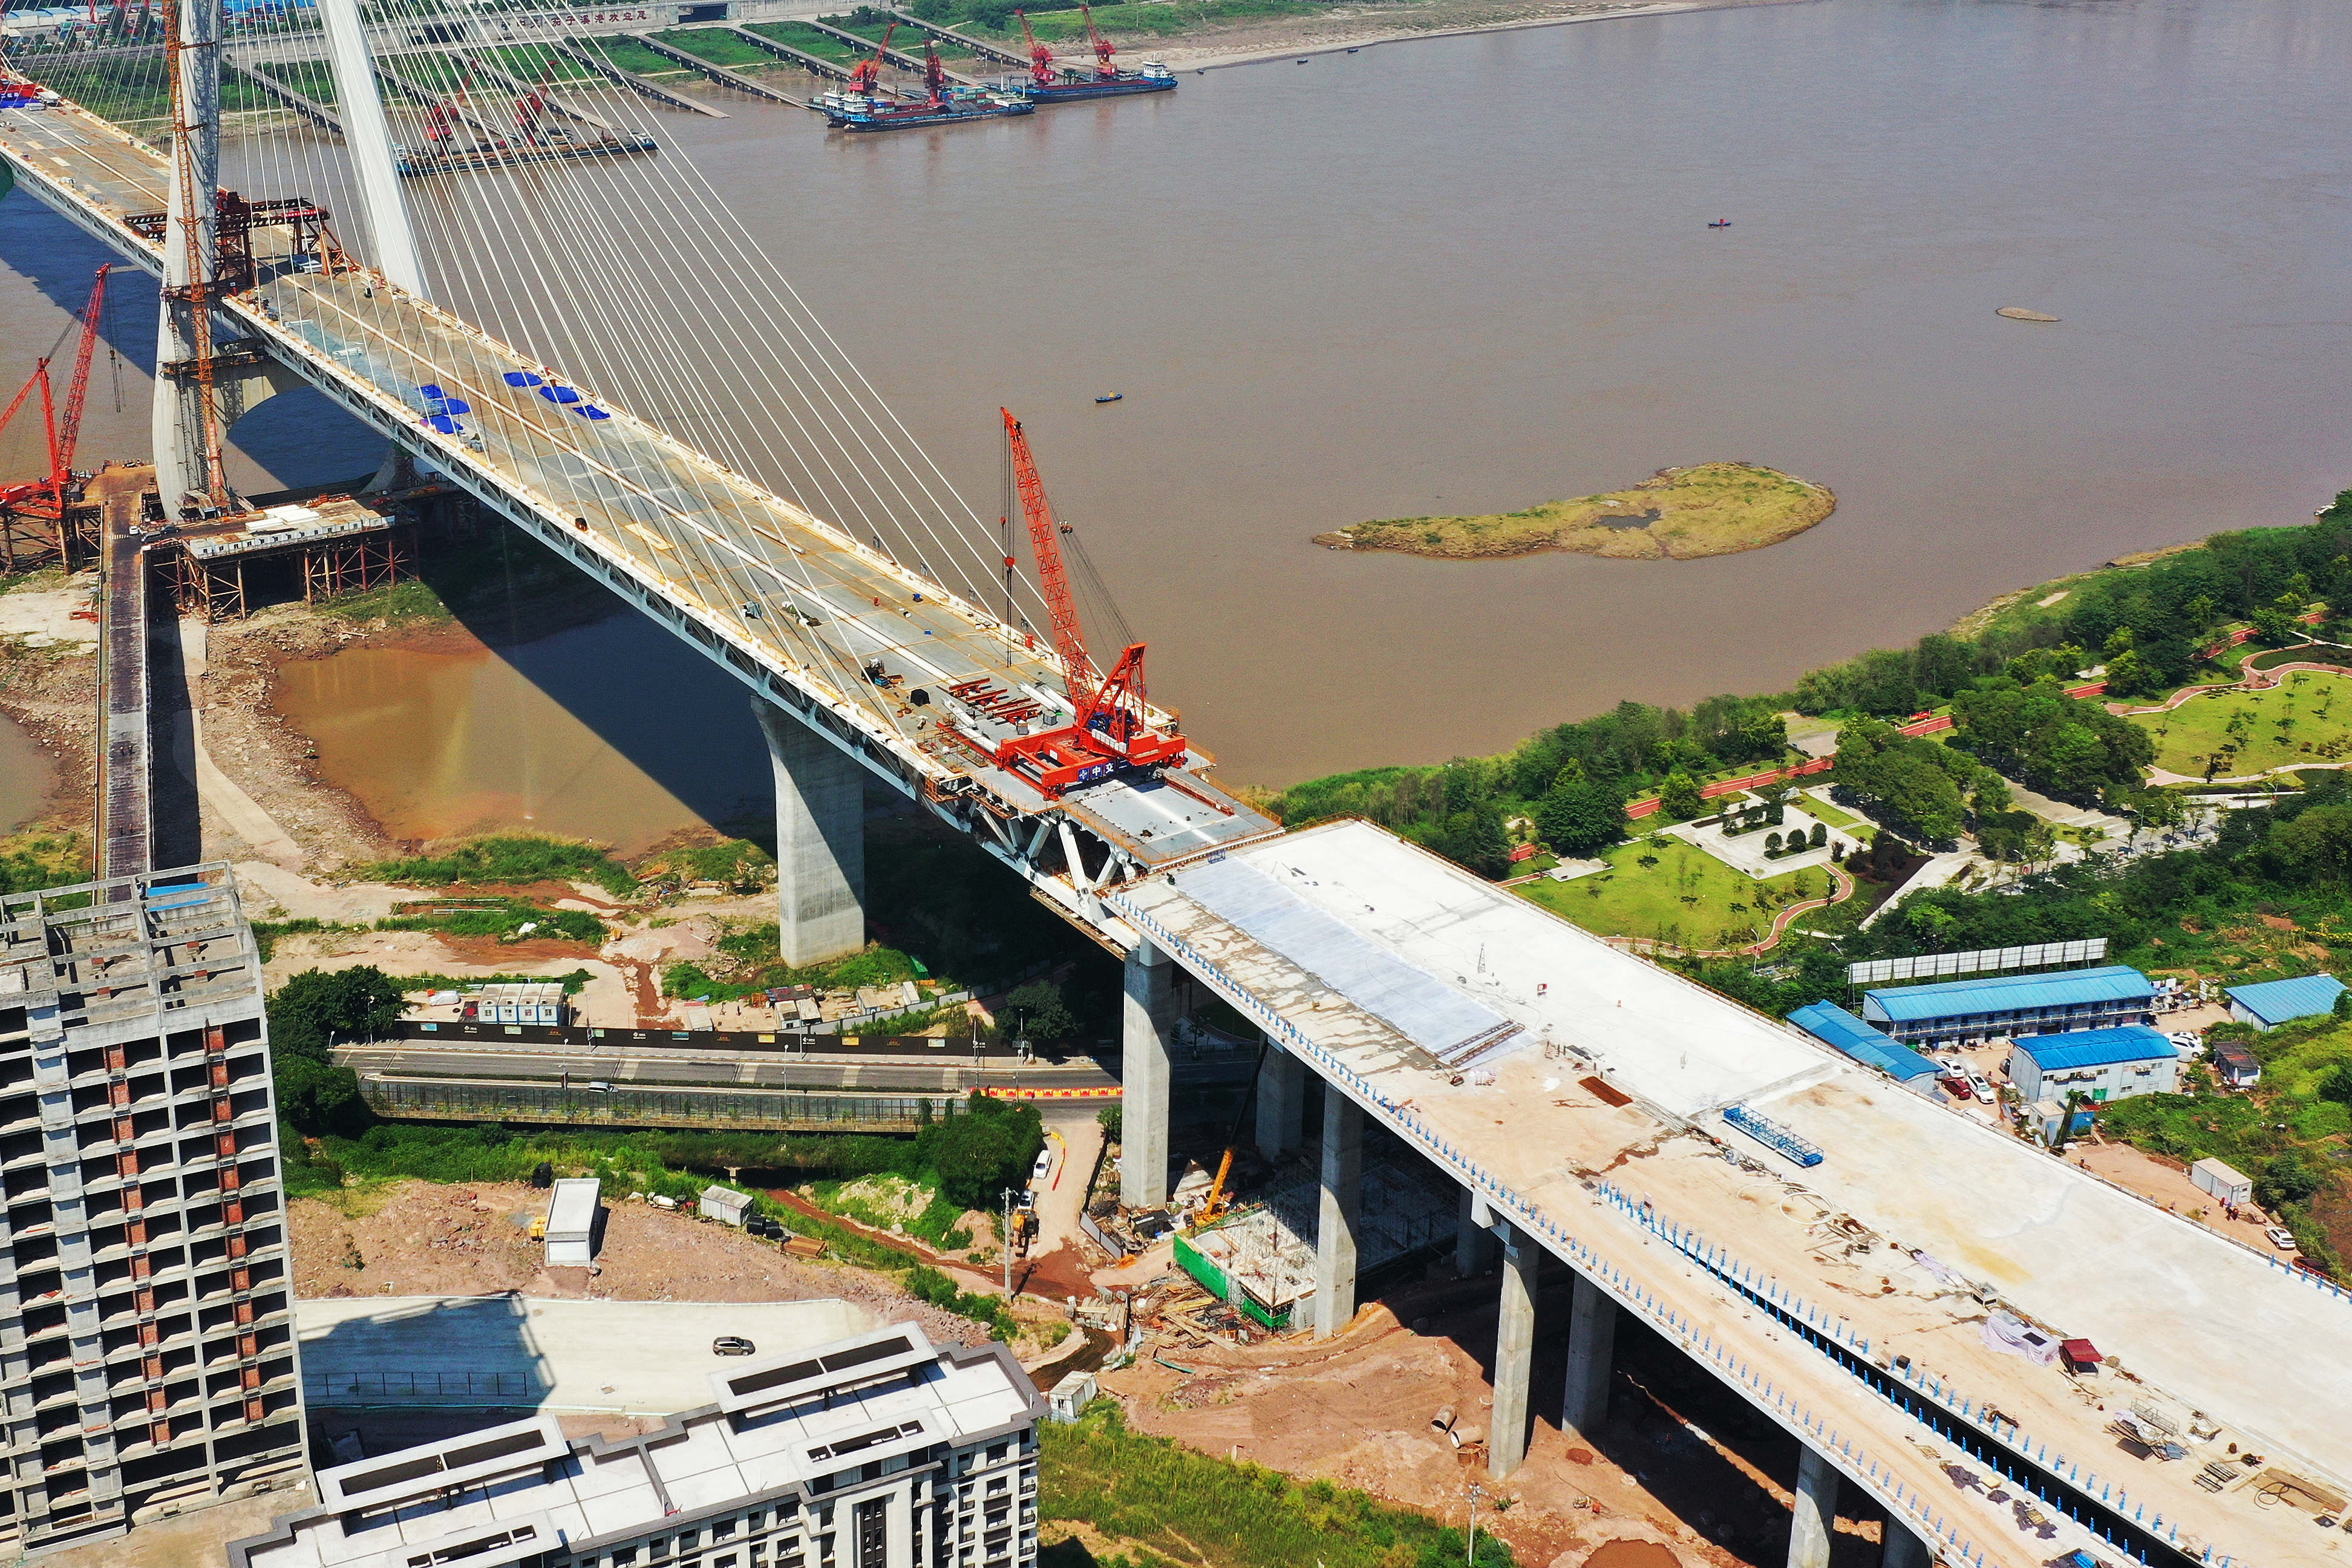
147,1350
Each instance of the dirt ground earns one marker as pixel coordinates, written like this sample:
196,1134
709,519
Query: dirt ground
1273,37
52,692
416,1238
1679,1463
2167,1181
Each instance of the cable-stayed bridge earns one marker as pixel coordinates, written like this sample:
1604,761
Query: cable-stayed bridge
1575,1094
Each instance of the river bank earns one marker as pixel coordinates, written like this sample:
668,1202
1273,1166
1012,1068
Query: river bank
1345,30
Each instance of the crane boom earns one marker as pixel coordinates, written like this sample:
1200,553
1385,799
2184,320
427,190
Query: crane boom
1041,59
1069,641
1102,47
69,431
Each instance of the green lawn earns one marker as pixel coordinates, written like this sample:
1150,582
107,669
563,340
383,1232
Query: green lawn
309,78
808,40
1687,896
2241,733
718,47
632,56
532,64
1840,819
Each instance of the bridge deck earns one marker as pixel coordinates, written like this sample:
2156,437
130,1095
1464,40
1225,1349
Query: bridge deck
788,599
125,807
2267,1354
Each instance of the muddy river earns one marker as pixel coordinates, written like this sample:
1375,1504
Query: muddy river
1471,274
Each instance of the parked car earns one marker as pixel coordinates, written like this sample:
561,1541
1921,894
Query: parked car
1043,1168
1980,1086
2281,1237
732,1345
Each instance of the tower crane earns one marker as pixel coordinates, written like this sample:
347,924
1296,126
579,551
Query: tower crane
1109,729
866,79
1041,59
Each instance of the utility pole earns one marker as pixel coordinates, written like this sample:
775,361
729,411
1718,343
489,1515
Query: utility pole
1477,1493
1004,1241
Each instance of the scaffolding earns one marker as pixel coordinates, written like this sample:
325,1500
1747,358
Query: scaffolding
337,544
1263,1258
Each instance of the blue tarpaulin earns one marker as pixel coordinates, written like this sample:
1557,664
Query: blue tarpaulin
559,394
522,378
451,405
590,411
445,424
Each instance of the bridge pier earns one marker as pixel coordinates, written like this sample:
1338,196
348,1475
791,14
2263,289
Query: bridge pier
1515,1356
1813,1517
820,841
1281,1103
185,425
1902,1549
1148,1019
1343,1196
1474,1244
1591,1344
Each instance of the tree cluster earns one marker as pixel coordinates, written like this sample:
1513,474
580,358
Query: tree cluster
2055,742
306,1015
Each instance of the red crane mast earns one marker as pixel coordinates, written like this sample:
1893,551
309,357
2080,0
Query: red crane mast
866,79
1041,59
62,436
69,431
1103,49
1110,727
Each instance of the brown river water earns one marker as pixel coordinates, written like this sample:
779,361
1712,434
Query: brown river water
1472,274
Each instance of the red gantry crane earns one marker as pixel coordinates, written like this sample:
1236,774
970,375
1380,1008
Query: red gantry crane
1041,59
1103,49
1110,729
866,77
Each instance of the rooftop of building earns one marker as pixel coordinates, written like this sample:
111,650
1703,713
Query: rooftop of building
1828,1022
2012,992
2279,1001
510,1492
2097,1048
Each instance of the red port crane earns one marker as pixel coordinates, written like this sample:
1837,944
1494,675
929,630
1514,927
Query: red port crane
1041,59
532,105
63,436
866,79
1103,49
1110,729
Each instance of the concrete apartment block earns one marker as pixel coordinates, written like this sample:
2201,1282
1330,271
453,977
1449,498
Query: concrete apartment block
147,1353
876,1451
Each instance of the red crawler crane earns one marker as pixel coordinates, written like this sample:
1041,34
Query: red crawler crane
1041,59
1103,49
866,77
63,434
1110,729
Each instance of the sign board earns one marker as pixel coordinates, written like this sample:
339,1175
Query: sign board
1977,961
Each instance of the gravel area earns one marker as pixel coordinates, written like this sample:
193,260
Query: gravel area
421,1238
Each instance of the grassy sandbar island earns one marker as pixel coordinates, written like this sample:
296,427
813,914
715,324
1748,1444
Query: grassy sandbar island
1709,508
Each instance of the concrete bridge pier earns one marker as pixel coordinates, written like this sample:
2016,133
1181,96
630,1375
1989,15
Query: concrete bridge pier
1281,1103
1474,1244
1148,1020
1514,1354
1814,1517
1903,1549
820,841
1591,1346
1334,1229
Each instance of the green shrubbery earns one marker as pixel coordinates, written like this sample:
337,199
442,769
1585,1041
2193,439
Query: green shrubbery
1197,1507
510,857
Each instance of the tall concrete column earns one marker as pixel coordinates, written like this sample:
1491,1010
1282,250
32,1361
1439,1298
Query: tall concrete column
1515,1356
1334,1228
1281,1103
1902,1549
1814,1519
186,424
820,841
1591,1344
1149,1018
1474,1244
367,139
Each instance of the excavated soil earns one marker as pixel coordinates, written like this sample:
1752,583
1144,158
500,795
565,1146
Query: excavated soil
417,1239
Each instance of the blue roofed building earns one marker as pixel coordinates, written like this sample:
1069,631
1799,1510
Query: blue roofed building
2102,1065
2268,1004
1834,1027
1972,1011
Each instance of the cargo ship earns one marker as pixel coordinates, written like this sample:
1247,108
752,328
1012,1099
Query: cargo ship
863,106
848,111
1048,84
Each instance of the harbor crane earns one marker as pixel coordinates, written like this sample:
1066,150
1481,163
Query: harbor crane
1102,45
866,79
65,434
1041,59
